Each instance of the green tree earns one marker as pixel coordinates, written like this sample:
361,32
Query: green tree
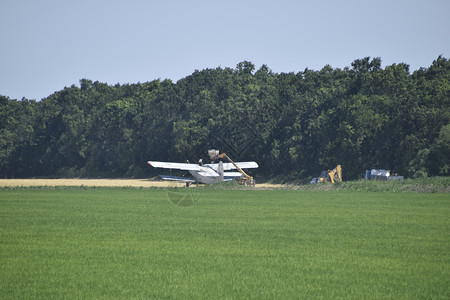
439,154
16,137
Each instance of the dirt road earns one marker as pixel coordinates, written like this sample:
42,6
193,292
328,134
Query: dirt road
145,183
89,182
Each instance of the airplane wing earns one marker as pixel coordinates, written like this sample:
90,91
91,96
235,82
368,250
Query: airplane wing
232,174
208,174
175,178
172,165
229,166
244,165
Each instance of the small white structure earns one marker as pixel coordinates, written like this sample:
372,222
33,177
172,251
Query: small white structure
380,174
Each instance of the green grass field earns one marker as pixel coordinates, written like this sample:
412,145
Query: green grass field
119,243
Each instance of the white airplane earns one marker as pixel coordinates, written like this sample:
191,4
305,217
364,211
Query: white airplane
207,173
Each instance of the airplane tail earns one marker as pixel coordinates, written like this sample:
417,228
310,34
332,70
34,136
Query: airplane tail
220,170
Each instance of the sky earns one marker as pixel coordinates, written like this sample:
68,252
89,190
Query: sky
47,45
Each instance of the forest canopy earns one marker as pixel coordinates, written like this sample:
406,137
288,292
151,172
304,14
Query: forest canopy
293,124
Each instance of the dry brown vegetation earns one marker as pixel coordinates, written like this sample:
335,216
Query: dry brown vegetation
430,185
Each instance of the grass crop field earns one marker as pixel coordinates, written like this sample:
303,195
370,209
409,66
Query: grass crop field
251,244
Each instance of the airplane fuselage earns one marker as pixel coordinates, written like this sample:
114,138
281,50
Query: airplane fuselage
208,175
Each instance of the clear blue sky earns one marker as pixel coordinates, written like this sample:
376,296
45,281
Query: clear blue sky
46,45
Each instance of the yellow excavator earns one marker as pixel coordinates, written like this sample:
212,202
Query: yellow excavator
334,175
245,179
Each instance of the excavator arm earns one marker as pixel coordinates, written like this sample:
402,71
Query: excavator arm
245,179
334,175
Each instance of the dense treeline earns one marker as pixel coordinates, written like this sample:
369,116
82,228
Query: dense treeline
293,125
